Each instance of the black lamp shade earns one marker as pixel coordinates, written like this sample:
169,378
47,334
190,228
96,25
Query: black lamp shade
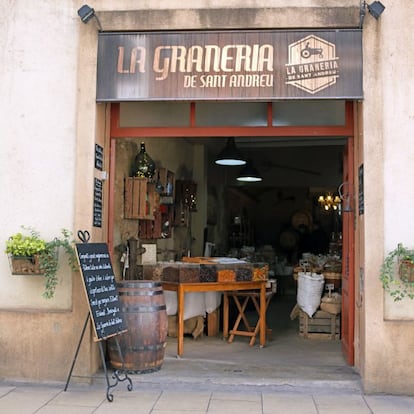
230,155
249,174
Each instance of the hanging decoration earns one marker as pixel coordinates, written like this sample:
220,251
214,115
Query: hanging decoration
143,166
329,202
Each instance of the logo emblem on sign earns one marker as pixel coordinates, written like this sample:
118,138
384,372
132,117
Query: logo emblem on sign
313,64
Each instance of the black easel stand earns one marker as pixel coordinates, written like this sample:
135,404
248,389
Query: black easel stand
119,375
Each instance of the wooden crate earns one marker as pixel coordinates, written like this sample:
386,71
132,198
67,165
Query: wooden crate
139,198
322,325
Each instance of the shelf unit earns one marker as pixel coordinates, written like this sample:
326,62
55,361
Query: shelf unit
154,211
139,198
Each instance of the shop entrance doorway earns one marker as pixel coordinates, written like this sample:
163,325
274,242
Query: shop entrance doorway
200,126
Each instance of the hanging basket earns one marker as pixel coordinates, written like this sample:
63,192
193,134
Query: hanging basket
25,265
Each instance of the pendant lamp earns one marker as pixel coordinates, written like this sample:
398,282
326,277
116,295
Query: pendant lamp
249,173
230,155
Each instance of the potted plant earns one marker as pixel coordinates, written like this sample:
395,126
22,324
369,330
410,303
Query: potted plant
29,254
397,273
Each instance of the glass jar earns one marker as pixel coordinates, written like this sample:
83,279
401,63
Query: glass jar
143,166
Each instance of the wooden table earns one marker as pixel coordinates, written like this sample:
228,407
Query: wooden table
181,288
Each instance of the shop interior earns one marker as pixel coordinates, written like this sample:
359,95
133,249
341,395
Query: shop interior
202,210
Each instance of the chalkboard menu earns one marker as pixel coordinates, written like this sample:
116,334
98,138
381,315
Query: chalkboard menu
98,157
361,189
99,281
97,203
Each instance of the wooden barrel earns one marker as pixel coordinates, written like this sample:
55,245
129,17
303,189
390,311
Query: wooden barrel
145,316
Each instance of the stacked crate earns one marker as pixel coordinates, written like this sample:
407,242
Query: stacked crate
322,325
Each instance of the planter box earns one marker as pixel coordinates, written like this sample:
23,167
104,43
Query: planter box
22,265
406,271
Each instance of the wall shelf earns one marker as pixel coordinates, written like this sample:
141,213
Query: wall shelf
139,198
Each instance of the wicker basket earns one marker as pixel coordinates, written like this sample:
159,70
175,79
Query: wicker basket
333,278
333,308
331,304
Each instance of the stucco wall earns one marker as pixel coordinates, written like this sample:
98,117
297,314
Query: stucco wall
38,161
388,153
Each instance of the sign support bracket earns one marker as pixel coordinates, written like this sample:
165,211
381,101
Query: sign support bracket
77,350
119,375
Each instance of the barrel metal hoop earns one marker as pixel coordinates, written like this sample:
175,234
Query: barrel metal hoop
152,347
143,309
141,293
140,284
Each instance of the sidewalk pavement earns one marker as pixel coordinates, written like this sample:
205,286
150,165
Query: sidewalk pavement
146,398
290,375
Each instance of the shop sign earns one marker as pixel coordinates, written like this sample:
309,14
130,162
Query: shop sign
227,65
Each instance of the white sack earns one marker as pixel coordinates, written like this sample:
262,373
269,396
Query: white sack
310,289
212,301
171,302
193,304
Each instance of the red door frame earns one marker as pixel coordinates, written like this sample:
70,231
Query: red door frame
347,131
348,256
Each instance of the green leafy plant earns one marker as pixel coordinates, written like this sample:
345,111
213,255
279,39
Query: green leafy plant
47,252
20,245
396,273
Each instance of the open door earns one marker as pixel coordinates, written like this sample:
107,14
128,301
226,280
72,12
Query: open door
348,257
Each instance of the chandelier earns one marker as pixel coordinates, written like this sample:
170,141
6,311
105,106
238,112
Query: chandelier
329,201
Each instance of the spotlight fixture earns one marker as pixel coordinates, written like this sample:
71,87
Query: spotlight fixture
376,8
249,173
230,155
86,13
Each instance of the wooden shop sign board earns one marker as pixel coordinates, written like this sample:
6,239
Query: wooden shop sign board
230,65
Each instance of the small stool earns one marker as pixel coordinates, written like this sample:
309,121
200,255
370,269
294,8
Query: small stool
250,331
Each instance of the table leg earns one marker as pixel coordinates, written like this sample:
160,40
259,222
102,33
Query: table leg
262,315
180,320
225,315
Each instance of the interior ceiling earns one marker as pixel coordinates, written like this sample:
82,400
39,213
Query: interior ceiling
302,156
216,143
